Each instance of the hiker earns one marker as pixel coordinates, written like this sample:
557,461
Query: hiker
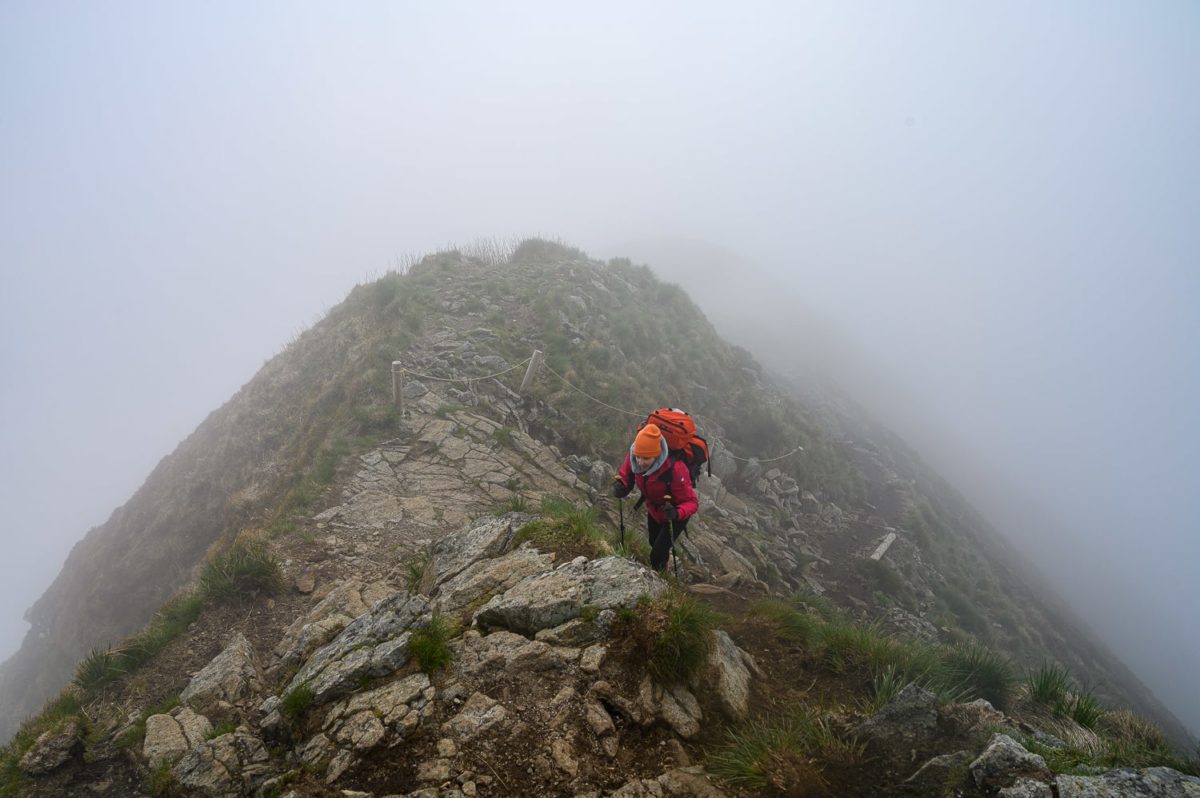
666,486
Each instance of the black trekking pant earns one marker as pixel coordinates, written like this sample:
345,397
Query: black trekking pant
660,536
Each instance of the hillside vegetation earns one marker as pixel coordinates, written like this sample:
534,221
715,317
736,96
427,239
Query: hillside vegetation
826,550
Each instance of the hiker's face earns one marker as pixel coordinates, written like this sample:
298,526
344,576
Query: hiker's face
643,462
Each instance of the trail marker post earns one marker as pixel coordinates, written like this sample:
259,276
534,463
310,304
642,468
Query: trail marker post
529,372
398,386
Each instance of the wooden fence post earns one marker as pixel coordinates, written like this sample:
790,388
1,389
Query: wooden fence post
533,364
398,386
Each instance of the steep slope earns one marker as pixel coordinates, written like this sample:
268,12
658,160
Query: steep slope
267,459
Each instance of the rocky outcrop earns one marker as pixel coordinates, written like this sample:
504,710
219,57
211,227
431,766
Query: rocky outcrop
230,765
374,645
52,749
909,717
1004,761
170,736
547,600
232,676
1147,783
334,612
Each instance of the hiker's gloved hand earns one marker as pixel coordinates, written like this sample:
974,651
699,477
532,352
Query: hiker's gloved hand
620,490
671,513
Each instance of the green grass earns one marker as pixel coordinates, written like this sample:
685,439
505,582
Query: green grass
515,504
221,728
414,570
1048,684
680,626
988,675
791,622
955,673
566,529
429,644
63,709
503,436
296,703
1084,708
98,668
782,753
161,782
243,569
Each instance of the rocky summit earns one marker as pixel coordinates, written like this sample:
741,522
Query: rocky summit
365,579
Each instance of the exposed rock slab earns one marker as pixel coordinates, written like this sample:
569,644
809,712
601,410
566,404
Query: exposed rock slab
487,538
729,676
51,750
1129,783
911,715
479,713
231,676
323,622
1003,761
483,580
374,645
170,736
547,600
229,765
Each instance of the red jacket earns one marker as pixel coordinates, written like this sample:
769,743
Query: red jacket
669,479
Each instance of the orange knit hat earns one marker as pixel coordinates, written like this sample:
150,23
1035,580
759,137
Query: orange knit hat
648,442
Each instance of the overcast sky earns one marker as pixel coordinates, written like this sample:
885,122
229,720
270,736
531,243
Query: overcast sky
1000,205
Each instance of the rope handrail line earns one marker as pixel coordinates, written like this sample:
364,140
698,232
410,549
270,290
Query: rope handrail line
569,384
468,380
640,415
588,395
768,460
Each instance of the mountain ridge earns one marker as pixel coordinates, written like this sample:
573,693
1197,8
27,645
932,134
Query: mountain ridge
308,409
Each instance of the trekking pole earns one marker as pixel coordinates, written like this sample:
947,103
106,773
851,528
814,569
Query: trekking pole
621,507
671,532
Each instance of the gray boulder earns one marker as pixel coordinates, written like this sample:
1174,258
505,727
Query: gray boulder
1027,788
374,645
476,654
168,737
931,777
729,676
910,716
1003,761
485,539
547,600
488,578
479,713
1129,783
230,765
322,623
51,750
232,675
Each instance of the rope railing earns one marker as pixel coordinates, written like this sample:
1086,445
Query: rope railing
541,361
411,373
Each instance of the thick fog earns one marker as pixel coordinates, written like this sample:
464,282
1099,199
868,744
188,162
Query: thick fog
988,214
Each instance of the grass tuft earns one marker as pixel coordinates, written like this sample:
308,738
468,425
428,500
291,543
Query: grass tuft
242,569
782,754
414,570
296,703
1048,684
1085,709
429,644
791,622
987,674
679,625
98,668
566,529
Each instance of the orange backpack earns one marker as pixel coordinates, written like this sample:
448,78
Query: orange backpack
684,444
